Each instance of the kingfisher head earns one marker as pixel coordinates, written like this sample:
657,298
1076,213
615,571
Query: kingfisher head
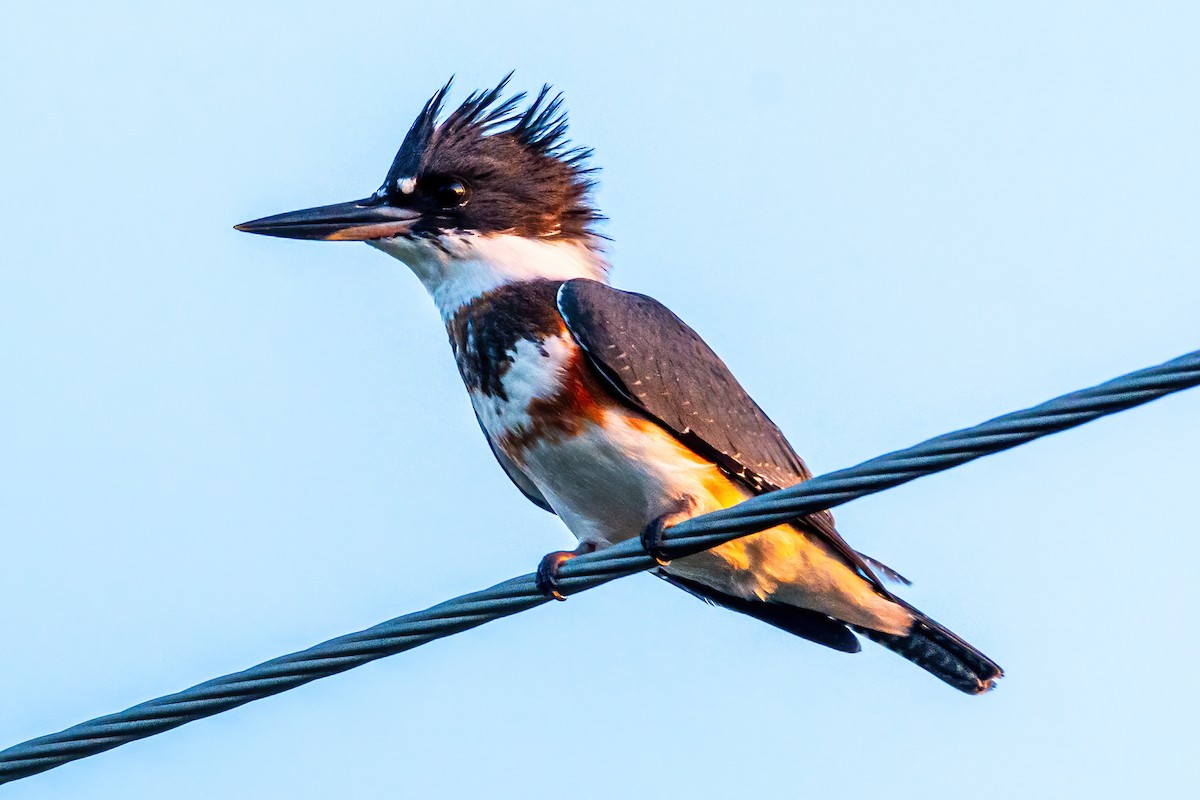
492,193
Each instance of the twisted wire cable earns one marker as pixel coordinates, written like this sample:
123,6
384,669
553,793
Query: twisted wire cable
587,571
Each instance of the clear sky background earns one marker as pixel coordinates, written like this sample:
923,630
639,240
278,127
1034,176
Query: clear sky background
892,220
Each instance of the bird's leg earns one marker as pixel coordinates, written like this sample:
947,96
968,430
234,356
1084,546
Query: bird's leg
653,535
547,571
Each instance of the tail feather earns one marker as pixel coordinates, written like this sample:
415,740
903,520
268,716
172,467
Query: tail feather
927,644
941,652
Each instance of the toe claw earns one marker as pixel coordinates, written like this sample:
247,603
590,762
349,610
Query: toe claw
546,579
653,536
652,542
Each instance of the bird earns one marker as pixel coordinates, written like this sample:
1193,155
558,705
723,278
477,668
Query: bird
601,405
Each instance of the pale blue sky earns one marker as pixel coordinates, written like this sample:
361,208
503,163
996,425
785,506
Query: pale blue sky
891,220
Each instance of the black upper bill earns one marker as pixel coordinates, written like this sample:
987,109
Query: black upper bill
355,221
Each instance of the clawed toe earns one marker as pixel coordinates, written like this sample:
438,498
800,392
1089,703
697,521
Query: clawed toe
654,541
653,538
547,573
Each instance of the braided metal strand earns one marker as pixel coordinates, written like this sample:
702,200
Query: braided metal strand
587,571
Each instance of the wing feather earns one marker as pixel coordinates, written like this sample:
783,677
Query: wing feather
664,369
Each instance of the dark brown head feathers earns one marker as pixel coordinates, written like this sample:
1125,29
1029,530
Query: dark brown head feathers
511,169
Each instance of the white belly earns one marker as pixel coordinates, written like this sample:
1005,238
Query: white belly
620,471
612,476
612,480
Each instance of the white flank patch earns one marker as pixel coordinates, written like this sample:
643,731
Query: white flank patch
458,267
533,374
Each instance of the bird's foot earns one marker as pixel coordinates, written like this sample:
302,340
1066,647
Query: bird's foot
653,536
547,571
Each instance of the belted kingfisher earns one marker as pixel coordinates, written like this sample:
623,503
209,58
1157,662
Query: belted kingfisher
601,405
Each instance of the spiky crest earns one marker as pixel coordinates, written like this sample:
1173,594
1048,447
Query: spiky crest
521,169
416,141
541,128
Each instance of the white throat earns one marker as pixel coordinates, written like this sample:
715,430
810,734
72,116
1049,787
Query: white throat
458,267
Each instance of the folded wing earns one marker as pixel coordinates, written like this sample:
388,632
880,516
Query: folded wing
660,366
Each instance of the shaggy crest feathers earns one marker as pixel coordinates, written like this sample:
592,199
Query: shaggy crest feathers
525,153
544,129
408,158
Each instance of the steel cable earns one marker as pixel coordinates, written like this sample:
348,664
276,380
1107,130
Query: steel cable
587,571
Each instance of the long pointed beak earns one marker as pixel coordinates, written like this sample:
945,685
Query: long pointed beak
355,221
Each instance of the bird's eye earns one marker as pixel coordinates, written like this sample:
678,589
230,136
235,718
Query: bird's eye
450,194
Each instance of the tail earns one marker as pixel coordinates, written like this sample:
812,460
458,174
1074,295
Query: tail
927,644
940,652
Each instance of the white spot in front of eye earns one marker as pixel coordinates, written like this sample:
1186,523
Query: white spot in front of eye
408,186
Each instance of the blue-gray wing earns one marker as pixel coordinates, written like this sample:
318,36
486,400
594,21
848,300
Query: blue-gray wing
664,369
656,361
